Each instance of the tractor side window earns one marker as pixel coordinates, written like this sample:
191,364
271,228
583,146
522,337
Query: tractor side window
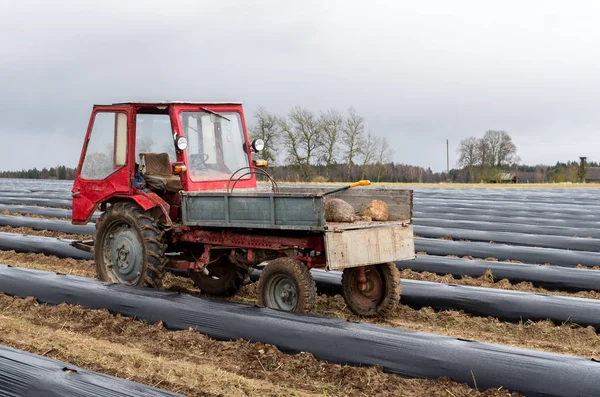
154,134
107,148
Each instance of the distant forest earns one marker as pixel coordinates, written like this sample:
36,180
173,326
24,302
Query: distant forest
59,172
334,146
388,172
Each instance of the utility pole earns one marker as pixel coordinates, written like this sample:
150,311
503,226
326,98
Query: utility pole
447,160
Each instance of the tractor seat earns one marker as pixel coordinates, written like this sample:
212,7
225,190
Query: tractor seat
156,170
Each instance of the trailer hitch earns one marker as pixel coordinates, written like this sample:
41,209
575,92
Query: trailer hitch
84,245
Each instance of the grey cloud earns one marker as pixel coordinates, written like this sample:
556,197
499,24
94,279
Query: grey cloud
420,72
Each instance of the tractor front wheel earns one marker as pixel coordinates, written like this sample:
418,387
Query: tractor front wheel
286,284
128,248
374,293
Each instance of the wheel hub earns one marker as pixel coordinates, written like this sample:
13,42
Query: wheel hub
370,289
288,294
124,253
283,293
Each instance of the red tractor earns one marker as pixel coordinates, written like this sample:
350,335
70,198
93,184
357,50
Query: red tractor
177,187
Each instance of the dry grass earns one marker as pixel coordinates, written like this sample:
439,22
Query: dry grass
35,216
48,263
191,363
543,335
489,281
44,233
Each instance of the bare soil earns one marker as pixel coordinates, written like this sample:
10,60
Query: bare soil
489,281
44,233
190,363
49,263
7,212
542,335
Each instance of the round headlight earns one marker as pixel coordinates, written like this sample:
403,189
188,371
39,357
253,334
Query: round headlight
258,145
181,143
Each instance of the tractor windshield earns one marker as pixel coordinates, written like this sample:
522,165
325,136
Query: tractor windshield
215,145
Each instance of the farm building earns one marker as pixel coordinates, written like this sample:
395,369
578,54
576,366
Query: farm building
504,177
592,174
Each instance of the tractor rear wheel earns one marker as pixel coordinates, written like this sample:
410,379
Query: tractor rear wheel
224,278
129,247
378,295
286,284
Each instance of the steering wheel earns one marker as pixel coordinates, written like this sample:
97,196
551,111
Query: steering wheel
198,160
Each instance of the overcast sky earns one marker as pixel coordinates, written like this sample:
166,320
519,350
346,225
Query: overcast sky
418,71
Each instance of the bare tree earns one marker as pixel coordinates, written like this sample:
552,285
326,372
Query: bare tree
368,152
483,152
501,148
353,136
384,156
507,150
331,127
468,155
492,140
267,128
302,139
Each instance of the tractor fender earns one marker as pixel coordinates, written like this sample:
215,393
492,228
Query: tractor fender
147,200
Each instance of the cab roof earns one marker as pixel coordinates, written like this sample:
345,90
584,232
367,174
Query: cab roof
166,103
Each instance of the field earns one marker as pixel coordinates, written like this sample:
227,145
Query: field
502,300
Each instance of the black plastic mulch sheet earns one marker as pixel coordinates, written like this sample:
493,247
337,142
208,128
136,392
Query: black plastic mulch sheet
549,277
506,305
35,210
501,304
45,202
26,374
41,245
52,195
501,252
406,353
573,209
498,225
518,239
553,220
46,224
501,212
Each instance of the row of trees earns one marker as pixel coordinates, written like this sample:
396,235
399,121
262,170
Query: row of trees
484,157
561,172
312,144
59,172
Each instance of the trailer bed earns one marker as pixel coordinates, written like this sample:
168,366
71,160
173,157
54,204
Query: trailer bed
290,209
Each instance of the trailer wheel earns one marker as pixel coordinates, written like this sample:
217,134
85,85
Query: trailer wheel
286,284
129,248
224,278
378,295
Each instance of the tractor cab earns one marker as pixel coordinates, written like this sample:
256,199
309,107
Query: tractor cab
149,152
